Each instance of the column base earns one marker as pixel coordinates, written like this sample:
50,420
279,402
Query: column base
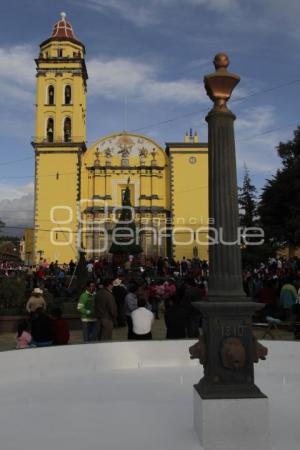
232,424
224,391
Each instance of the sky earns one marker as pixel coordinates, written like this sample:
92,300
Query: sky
146,61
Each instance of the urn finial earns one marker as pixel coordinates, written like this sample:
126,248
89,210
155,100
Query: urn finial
220,84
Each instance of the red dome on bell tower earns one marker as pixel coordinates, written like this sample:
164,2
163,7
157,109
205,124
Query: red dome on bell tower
63,31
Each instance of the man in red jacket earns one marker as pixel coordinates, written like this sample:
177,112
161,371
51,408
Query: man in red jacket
61,330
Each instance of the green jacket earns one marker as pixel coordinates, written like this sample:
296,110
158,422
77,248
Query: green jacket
86,307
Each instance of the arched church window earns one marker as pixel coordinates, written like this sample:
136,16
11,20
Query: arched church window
51,95
50,130
67,129
68,95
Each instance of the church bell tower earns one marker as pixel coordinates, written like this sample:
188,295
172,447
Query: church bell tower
59,142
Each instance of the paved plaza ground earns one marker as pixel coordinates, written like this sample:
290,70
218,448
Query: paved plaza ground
7,340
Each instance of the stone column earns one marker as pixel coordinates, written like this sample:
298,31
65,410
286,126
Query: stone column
227,349
225,275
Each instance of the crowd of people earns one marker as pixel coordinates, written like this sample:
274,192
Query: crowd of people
41,329
276,284
120,302
135,294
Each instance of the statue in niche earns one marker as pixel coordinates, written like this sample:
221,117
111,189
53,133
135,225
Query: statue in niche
143,154
108,153
97,155
125,144
125,152
126,197
154,153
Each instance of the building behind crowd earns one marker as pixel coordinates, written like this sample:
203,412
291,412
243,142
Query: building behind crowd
79,189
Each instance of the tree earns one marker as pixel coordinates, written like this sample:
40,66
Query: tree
289,151
248,205
279,208
248,201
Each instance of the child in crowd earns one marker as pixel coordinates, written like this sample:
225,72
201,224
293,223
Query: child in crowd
24,337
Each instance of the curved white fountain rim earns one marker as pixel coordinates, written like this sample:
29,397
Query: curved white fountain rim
126,395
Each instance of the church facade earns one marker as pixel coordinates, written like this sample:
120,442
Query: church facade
79,190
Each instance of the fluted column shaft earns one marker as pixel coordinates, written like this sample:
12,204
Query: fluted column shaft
225,277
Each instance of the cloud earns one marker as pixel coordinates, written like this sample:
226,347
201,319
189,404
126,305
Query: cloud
142,12
11,192
120,77
286,15
16,204
214,5
17,73
134,11
255,145
267,17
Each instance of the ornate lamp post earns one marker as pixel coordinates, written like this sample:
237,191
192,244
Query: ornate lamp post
227,350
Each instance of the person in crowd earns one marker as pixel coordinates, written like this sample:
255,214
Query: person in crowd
40,275
169,288
267,296
24,338
61,329
192,294
90,269
142,321
72,266
160,266
175,318
119,293
131,303
183,266
288,297
157,298
86,308
127,266
36,300
41,329
106,311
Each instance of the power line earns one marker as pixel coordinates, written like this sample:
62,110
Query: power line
13,161
273,130
253,94
173,119
155,124
238,99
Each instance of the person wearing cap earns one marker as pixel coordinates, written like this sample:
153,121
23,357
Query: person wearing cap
35,301
119,292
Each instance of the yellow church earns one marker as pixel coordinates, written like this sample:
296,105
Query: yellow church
79,191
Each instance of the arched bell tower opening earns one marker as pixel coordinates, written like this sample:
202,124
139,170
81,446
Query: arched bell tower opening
50,130
67,129
67,95
51,95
